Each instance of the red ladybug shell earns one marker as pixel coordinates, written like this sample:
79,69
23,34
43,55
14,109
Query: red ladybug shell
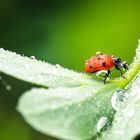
98,62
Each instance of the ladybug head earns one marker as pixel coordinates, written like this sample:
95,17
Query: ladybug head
118,63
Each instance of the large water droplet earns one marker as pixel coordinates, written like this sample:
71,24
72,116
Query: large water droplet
101,123
119,98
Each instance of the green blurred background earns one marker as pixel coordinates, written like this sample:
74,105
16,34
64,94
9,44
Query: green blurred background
65,32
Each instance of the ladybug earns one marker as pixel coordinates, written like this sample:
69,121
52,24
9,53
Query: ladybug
104,62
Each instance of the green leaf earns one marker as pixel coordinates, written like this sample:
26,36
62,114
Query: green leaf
71,109
67,113
40,73
126,123
75,107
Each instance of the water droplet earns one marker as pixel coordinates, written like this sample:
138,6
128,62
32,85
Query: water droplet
32,57
119,98
57,66
101,73
101,123
1,49
8,87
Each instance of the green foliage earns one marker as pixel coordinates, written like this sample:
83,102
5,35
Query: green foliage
126,123
38,72
75,106
68,113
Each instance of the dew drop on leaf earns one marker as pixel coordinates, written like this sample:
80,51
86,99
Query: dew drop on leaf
32,57
119,98
101,123
6,85
1,49
57,66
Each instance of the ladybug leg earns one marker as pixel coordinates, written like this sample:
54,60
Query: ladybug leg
117,67
107,75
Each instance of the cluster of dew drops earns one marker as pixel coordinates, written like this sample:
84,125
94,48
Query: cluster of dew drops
125,104
120,97
118,102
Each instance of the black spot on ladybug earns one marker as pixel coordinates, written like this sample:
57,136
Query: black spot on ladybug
98,58
90,66
104,64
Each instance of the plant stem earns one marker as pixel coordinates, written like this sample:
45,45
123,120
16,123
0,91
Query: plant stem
133,70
